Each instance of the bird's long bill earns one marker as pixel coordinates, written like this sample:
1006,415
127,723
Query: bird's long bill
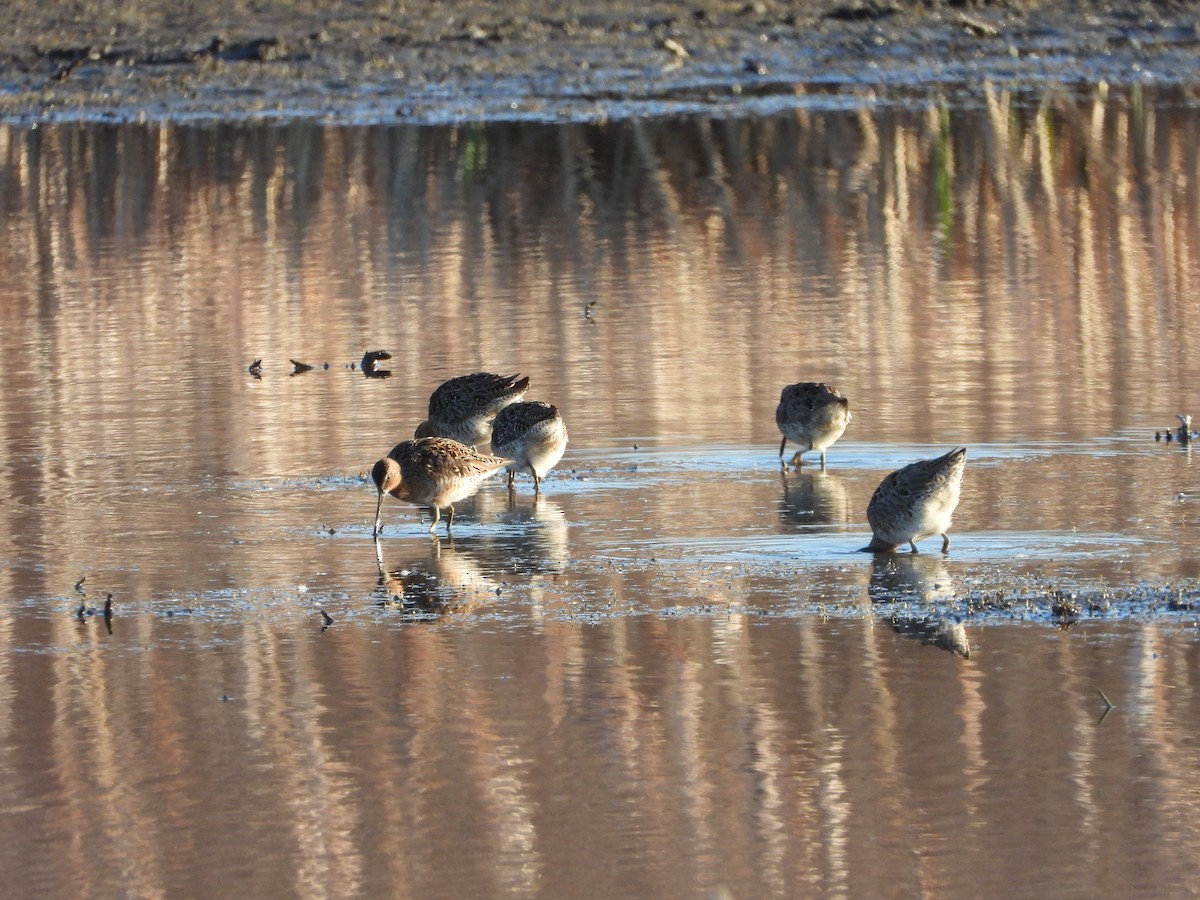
378,514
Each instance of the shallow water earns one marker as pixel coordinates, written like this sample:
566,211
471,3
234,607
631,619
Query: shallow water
675,673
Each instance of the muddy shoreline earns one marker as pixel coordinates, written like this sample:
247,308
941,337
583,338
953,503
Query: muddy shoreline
466,61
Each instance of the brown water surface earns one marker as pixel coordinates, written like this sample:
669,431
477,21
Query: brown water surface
674,675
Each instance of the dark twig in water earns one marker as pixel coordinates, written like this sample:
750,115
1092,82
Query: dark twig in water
369,361
326,618
1108,704
81,57
79,585
298,367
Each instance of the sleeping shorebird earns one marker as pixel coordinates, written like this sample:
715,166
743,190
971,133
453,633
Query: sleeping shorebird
813,415
533,436
435,472
915,502
463,408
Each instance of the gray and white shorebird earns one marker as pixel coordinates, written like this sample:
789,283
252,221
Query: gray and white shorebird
463,408
812,414
533,436
434,472
915,502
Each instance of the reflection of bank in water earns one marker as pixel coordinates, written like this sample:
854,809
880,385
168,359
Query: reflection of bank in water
912,594
448,580
814,501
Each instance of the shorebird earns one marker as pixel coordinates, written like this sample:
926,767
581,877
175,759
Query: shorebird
533,436
463,408
813,415
435,472
915,502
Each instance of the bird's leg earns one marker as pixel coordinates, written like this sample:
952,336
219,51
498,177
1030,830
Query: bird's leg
798,459
537,482
782,444
945,543
822,460
511,476
449,517
437,514
913,544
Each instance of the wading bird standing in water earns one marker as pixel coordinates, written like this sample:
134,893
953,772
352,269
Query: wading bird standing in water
433,472
533,436
915,502
812,414
463,408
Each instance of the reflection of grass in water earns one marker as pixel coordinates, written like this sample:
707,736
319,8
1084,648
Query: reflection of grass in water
944,177
474,154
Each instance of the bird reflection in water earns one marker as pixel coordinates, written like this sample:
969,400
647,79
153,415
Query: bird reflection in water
913,594
813,501
448,580
536,540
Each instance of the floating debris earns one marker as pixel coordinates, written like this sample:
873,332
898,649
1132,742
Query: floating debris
326,619
1184,434
977,27
81,56
79,585
1065,606
369,364
675,48
255,368
298,367
85,611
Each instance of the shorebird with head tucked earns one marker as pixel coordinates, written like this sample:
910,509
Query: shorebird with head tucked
463,408
812,414
915,502
533,436
435,472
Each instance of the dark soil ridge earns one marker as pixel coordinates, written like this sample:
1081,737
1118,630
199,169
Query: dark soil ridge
462,60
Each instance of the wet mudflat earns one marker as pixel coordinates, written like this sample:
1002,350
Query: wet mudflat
675,673
463,60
